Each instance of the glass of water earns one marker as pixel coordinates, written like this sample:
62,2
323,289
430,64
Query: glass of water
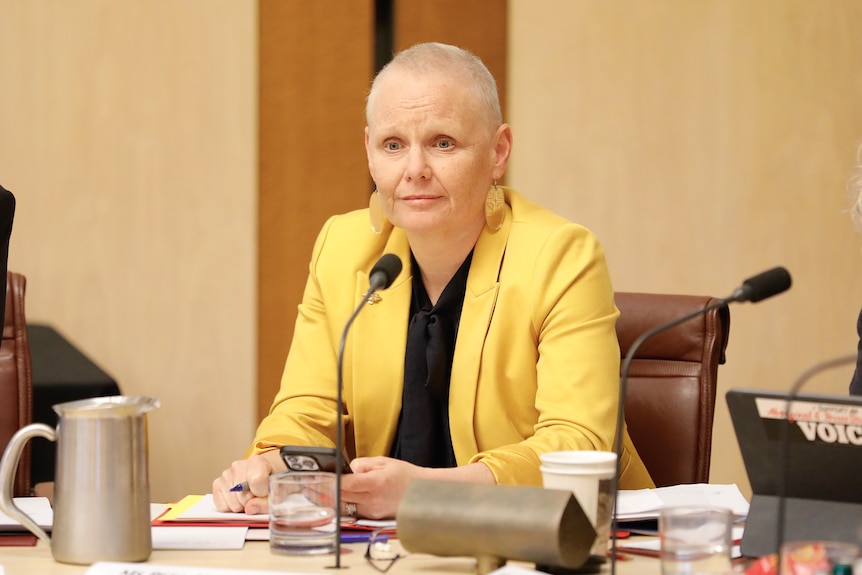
695,540
302,512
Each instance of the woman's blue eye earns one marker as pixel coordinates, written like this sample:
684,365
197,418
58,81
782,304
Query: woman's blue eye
444,144
392,146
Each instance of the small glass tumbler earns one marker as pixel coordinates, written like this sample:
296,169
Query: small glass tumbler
302,512
695,540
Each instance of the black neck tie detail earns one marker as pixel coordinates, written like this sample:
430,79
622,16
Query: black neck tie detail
423,431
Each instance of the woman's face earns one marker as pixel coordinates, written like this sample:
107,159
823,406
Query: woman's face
433,152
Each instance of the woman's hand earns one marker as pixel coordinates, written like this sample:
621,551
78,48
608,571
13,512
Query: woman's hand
377,484
255,471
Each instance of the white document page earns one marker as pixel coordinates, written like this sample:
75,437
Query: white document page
515,570
111,568
654,543
205,510
182,537
39,510
639,504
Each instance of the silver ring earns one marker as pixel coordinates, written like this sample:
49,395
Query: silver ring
350,509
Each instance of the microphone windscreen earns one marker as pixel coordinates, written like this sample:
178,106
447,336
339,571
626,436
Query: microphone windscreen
385,271
766,284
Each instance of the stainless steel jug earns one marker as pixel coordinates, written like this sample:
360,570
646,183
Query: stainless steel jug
101,485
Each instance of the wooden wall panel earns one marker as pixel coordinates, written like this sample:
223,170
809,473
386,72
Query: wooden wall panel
477,26
315,64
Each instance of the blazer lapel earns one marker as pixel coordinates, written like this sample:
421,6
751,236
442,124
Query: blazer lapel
378,341
479,301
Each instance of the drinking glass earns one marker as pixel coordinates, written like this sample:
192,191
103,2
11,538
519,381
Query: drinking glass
302,512
695,540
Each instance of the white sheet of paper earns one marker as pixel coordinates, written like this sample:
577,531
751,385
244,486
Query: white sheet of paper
651,544
637,502
157,509
111,568
515,570
645,503
38,508
378,523
208,537
257,534
654,543
205,509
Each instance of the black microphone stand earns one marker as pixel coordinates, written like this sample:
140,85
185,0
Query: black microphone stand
339,432
382,275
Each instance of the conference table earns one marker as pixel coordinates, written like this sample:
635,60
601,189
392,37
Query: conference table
256,556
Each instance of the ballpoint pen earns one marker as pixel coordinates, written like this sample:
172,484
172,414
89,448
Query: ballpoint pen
361,537
240,487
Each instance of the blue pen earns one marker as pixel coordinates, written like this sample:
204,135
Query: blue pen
240,487
361,537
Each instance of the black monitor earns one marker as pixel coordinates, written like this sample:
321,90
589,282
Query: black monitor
823,469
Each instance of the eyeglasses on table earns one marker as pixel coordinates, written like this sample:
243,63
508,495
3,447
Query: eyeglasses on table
380,553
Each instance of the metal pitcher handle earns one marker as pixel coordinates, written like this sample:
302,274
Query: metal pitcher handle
8,468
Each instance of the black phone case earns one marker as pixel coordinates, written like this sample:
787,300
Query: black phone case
308,458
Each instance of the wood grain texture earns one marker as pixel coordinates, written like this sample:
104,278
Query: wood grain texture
480,27
316,65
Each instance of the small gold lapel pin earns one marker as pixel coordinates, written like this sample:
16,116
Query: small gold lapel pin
374,298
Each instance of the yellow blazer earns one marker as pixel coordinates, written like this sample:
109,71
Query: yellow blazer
536,363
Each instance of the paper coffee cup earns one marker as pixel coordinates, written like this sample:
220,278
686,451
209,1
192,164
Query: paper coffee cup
588,475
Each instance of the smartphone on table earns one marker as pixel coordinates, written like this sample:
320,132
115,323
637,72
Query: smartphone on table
308,458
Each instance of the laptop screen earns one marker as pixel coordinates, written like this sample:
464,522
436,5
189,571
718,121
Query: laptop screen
824,449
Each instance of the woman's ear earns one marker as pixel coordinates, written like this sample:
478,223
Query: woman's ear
502,149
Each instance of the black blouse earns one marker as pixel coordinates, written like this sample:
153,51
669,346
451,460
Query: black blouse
423,435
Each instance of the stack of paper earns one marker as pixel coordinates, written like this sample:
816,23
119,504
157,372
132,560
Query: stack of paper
644,504
112,568
13,533
198,510
188,524
638,511
37,508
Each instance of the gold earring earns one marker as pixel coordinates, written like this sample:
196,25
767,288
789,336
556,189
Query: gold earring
375,213
495,208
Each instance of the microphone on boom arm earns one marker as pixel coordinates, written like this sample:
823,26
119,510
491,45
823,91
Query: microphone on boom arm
756,288
381,277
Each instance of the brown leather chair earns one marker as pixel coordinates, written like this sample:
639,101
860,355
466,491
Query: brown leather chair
670,401
16,377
